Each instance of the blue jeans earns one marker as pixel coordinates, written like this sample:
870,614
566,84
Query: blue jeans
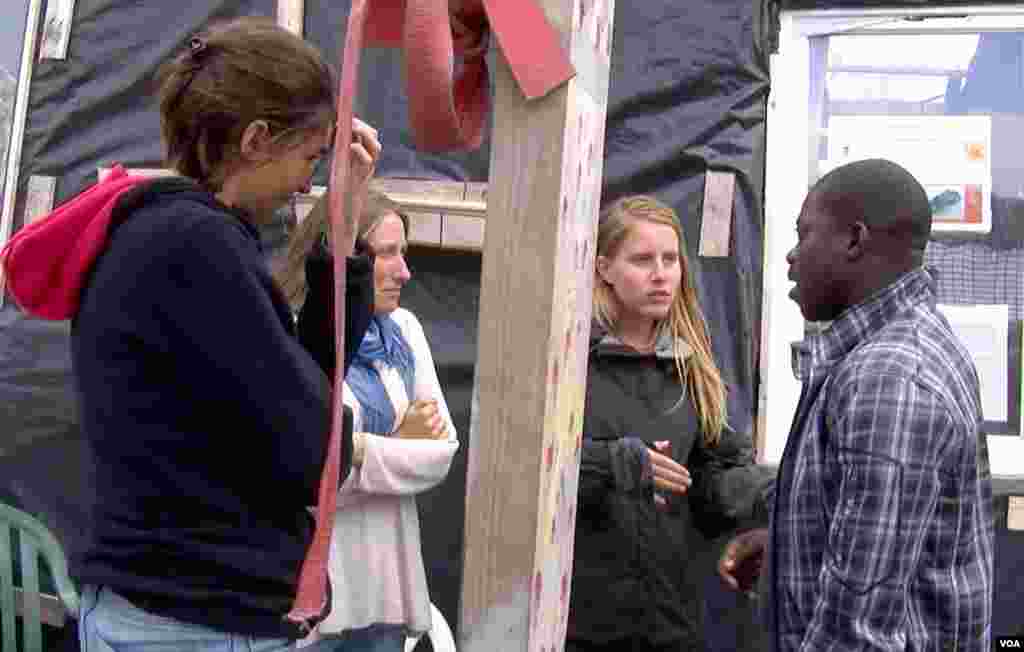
109,623
375,638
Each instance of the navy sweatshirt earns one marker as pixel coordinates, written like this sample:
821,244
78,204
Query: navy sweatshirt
207,418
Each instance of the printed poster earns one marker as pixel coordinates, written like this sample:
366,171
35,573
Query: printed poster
950,155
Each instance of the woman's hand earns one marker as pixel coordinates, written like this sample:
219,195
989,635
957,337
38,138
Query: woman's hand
423,420
363,154
669,476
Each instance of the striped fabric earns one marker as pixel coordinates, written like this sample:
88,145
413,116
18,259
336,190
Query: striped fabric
970,273
882,531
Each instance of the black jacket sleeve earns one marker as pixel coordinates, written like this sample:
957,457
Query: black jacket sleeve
268,385
728,489
612,465
316,317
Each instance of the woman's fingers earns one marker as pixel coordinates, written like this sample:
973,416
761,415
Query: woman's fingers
366,137
667,464
669,475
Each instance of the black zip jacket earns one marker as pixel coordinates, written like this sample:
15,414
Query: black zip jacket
635,571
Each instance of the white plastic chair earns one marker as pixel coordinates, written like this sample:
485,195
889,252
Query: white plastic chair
440,633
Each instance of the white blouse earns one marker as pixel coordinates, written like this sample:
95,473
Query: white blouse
376,568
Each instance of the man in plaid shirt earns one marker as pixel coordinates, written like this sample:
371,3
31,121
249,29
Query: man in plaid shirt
881,533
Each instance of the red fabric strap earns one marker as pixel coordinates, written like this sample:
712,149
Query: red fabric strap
448,111
311,596
446,114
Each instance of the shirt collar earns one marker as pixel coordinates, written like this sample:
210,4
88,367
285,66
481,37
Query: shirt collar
857,323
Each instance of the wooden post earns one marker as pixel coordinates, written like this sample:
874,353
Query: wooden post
535,308
291,15
57,29
39,198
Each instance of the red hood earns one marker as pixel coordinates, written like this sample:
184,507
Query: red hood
46,263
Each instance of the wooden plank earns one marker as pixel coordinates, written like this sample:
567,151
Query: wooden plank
57,29
1015,513
303,205
39,198
151,173
291,15
425,229
460,232
535,308
476,192
17,133
415,195
430,204
716,220
421,189
424,195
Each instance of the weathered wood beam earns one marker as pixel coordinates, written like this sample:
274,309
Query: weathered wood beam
39,198
443,214
57,29
291,15
535,307
716,216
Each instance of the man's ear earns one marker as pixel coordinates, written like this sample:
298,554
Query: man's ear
859,239
256,141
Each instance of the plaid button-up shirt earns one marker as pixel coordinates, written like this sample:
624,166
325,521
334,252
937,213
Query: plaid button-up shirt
882,531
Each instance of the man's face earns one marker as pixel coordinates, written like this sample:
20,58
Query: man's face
815,264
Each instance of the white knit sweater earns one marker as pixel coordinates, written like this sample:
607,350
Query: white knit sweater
376,569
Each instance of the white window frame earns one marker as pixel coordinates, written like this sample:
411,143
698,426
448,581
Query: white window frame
12,168
786,175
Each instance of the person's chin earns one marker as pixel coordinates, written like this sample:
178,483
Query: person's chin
659,311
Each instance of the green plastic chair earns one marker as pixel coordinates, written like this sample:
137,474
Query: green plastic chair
34,542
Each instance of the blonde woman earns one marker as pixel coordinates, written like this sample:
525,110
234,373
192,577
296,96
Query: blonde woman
404,439
659,461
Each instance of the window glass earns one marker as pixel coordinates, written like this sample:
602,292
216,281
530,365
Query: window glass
13,15
950,108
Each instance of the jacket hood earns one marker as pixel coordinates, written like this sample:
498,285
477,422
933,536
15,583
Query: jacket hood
604,342
47,263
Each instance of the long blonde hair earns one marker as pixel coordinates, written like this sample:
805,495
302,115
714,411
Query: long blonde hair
698,371
291,272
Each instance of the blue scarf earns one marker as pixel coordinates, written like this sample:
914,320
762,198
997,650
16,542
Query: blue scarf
384,343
